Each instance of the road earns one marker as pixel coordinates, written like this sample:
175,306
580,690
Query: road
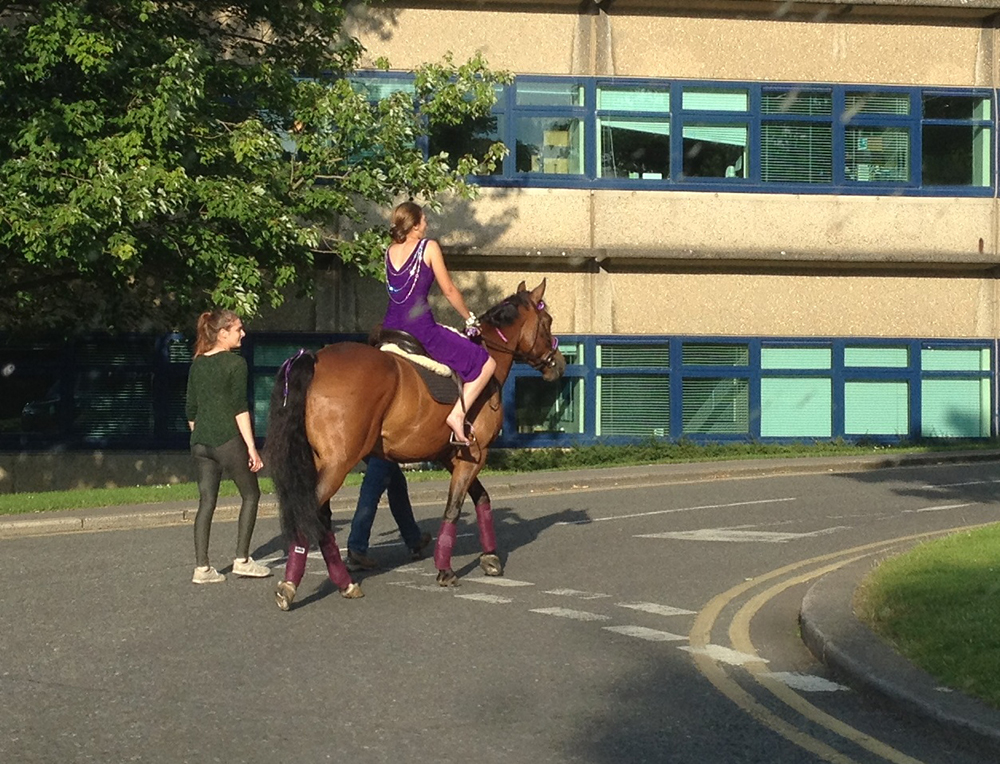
636,624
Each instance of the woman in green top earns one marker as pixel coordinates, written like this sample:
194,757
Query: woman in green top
222,439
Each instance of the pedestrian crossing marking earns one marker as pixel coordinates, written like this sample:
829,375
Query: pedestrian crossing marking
577,593
652,607
724,654
641,632
576,615
497,581
493,599
804,682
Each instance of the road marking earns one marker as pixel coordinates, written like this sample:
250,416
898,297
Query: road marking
493,599
652,607
804,682
939,509
734,535
724,655
641,632
672,511
415,570
576,615
497,581
577,593
418,587
955,485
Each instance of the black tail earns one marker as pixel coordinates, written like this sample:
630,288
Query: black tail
289,455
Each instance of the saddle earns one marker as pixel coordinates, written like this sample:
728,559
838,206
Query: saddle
443,383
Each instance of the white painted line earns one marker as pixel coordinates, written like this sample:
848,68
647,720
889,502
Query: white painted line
577,593
493,599
497,581
415,570
805,682
576,615
652,607
418,587
641,632
724,654
939,509
733,535
955,485
672,511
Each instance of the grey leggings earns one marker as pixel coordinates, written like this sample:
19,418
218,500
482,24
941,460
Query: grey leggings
233,457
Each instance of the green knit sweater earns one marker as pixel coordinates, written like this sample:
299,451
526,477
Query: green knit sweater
216,393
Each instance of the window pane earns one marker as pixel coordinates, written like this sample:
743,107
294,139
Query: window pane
637,148
377,88
882,357
795,358
473,136
715,150
796,101
550,145
633,406
877,154
626,356
545,407
634,99
796,407
876,408
876,103
713,99
956,155
714,354
716,406
955,408
947,359
796,152
956,107
549,94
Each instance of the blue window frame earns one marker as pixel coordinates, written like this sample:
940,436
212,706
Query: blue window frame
583,132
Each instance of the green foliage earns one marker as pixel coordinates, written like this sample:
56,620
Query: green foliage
160,156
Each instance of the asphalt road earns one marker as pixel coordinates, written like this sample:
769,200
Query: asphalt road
633,624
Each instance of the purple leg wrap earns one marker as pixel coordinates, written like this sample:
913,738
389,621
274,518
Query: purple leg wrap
484,517
445,543
295,568
334,563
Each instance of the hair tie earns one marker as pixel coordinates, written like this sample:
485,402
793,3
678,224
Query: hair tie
285,368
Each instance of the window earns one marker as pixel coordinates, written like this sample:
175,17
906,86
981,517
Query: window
876,142
796,136
551,143
714,144
633,132
471,136
956,140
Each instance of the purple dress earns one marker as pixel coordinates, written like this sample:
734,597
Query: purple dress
409,311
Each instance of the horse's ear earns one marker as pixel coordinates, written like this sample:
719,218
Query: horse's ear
537,292
520,288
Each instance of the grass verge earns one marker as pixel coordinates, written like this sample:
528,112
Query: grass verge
939,605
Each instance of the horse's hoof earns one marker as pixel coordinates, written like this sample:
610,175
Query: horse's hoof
352,592
284,595
447,578
491,565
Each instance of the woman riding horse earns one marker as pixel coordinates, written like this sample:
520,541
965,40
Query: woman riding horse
332,408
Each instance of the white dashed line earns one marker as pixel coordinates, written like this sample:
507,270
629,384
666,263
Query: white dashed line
576,615
671,511
805,682
493,599
577,593
494,581
733,535
938,509
641,632
418,587
652,607
724,654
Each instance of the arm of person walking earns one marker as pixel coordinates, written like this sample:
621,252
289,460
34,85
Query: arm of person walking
246,431
448,289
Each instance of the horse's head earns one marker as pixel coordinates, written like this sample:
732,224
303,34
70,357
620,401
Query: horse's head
529,321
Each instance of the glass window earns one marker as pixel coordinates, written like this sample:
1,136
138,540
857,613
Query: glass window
795,358
631,356
956,107
714,99
796,101
715,150
876,356
546,407
954,359
379,88
875,103
716,406
715,354
634,99
472,136
796,407
633,148
876,408
956,152
880,154
955,408
633,405
796,152
551,145
529,93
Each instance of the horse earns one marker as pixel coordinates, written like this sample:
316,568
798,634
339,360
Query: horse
331,408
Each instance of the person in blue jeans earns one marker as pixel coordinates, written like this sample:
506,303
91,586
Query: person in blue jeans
381,476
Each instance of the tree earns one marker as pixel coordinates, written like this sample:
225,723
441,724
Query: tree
158,156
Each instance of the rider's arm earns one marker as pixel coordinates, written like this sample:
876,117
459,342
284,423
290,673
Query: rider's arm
436,260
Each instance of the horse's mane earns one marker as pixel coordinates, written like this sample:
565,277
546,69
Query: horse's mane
505,313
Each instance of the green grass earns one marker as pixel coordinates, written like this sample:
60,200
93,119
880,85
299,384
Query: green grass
939,605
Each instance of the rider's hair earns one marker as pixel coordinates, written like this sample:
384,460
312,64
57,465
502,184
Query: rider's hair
210,323
405,218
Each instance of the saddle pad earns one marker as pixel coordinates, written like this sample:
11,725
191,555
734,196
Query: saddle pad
443,386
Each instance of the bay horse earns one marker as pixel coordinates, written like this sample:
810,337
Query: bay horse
331,408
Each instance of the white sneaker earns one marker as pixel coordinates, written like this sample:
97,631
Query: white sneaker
207,575
250,569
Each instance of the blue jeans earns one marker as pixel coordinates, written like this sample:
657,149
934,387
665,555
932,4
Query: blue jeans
382,476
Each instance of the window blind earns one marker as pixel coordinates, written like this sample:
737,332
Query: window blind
796,152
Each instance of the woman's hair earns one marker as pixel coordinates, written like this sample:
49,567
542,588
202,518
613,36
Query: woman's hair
210,323
405,218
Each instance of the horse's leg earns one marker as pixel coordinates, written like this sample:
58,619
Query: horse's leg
330,480
462,475
489,560
295,568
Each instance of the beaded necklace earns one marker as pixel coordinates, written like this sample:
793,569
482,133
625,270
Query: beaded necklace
409,274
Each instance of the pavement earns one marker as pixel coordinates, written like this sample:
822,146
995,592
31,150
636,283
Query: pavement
829,626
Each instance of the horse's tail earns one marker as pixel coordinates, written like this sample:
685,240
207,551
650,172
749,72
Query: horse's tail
289,455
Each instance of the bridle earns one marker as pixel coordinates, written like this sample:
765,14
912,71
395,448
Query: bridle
546,361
